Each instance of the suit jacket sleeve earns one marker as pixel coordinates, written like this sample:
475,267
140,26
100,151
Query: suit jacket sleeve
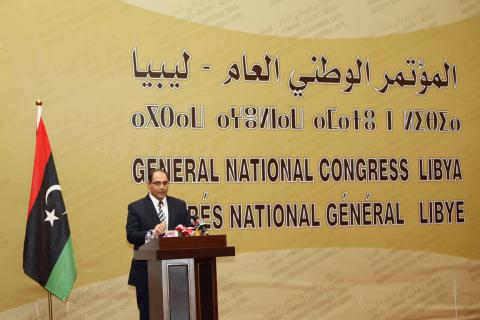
135,233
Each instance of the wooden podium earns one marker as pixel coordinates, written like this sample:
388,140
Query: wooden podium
182,276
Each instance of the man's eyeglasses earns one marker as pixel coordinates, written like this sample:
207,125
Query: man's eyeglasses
159,183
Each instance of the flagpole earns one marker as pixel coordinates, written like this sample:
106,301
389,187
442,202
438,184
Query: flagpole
50,308
39,103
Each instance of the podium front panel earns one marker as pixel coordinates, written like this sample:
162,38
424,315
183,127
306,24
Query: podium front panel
179,289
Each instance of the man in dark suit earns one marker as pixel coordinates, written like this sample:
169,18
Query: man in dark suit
149,218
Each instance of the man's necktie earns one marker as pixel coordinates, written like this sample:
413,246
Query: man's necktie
161,213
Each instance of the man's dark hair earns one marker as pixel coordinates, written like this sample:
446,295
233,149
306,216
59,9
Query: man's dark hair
152,171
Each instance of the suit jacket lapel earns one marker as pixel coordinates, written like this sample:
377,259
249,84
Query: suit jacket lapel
151,211
171,214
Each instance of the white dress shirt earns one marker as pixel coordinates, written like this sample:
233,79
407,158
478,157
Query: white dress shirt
150,235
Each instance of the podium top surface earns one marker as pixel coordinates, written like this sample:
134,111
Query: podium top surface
184,247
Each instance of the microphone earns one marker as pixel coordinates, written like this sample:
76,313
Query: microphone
199,224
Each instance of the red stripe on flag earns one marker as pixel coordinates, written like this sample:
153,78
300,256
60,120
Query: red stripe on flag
42,154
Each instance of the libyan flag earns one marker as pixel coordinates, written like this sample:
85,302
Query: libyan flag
47,252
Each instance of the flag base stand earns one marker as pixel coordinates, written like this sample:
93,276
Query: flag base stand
50,307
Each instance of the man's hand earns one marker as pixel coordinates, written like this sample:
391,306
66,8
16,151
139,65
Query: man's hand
160,229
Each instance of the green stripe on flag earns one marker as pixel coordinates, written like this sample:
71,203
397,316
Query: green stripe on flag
61,279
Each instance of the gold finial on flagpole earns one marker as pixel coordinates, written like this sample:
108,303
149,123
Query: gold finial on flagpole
39,103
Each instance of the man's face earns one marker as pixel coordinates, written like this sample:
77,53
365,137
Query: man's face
159,185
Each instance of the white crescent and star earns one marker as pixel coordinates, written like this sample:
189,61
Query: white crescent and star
51,217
